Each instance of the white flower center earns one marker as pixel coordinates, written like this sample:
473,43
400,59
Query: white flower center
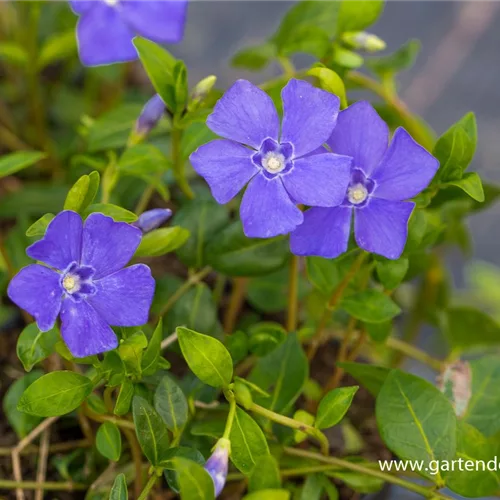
71,283
111,3
274,162
357,194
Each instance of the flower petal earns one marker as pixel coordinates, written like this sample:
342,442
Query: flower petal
226,166
108,245
161,21
309,116
103,37
245,114
361,134
62,243
320,180
85,332
405,170
80,6
266,209
382,226
124,297
324,233
37,290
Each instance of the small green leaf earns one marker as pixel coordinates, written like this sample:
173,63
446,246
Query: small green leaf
117,213
77,194
371,376
13,53
34,345
124,398
327,274
207,357
194,481
265,337
39,227
331,82
379,332
109,441
265,474
58,46
359,15
248,443
131,351
14,162
347,58
402,59
152,353
119,491
150,429
171,404
334,406
54,394
370,306
392,272
254,58
162,241
471,184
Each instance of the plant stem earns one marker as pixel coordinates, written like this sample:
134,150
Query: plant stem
148,487
135,449
414,352
235,303
178,163
230,416
48,485
293,292
363,469
143,202
293,424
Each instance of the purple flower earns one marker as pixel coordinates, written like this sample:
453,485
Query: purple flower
106,27
217,464
152,219
85,283
150,115
382,178
280,168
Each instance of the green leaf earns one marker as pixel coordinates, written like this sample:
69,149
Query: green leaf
194,481
109,441
473,483
204,220
22,423
371,306
152,353
471,184
34,345
347,58
14,162
483,410
272,494
254,58
379,332
14,54
392,272
265,474
334,406
285,370
372,377
151,430
265,337
124,398
181,89
159,65
171,404
162,241
117,213
39,227
455,149
416,421
58,46
358,15
234,254
248,443
83,192
207,357
119,491
402,59
331,82
54,394
327,274
131,351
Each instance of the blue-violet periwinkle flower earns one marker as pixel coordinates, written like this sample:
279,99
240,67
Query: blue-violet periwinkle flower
106,27
217,464
152,219
383,177
84,280
279,168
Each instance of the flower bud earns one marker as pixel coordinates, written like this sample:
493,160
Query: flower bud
201,90
242,394
152,219
363,41
455,382
150,116
217,464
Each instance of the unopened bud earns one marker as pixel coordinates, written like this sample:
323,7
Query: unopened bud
152,219
242,394
217,464
150,116
201,91
363,41
455,383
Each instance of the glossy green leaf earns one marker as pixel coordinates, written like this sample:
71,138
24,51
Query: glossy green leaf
334,406
371,306
131,351
248,443
119,491
54,394
410,407
392,272
162,241
39,227
14,162
194,481
358,15
207,357
265,474
83,192
124,398
331,82
254,58
150,429
171,404
234,254
327,274
34,345
151,355
265,337
117,213
402,59
109,441
471,184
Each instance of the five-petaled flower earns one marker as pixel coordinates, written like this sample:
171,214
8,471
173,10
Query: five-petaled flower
280,167
86,282
106,27
217,464
382,179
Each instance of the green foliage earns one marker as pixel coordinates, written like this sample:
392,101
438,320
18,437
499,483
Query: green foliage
334,406
171,404
14,162
109,441
34,346
371,306
119,490
194,481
